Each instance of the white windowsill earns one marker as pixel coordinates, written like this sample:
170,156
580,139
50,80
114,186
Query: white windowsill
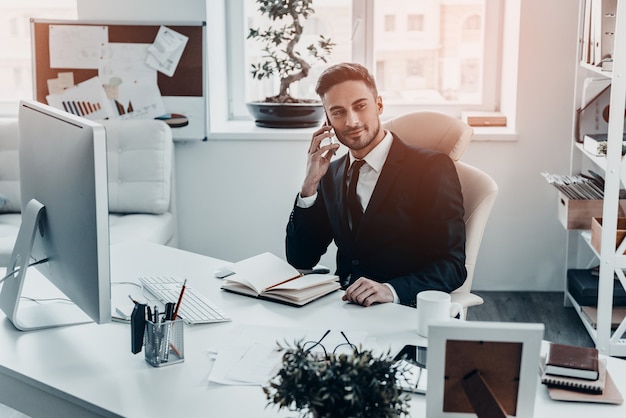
247,131
499,134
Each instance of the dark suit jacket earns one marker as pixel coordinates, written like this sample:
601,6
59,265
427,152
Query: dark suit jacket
412,234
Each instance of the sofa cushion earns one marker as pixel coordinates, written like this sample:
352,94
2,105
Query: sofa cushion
9,227
159,228
9,165
139,165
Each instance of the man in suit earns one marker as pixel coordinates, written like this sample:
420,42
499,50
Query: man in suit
407,232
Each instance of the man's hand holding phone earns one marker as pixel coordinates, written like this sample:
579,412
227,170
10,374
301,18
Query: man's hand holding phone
323,147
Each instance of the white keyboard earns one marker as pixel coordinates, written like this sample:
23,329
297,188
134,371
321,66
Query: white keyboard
195,308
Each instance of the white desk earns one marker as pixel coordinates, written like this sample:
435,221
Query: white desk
88,369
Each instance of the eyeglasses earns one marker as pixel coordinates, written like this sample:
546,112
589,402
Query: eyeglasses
346,348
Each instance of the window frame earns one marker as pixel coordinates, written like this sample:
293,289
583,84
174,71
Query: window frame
362,52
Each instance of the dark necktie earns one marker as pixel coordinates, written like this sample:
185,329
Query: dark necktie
354,207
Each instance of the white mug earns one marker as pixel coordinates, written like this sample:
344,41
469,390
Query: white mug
433,306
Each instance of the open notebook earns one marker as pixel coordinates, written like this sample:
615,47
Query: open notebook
267,276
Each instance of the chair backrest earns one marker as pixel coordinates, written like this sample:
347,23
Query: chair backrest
450,135
140,165
479,194
432,130
9,166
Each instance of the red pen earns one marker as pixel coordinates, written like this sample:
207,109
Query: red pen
180,299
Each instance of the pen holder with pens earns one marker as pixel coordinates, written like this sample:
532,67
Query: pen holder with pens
164,342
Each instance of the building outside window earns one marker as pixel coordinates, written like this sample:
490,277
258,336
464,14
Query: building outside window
390,23
415,23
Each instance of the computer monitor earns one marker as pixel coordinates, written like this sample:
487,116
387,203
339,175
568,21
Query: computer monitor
65,219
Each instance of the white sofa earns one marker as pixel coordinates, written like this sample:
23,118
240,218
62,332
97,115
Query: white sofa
140,171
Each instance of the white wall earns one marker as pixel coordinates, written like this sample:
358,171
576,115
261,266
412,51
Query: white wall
143,10
234,197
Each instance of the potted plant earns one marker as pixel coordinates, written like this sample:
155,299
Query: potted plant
344,385
283,58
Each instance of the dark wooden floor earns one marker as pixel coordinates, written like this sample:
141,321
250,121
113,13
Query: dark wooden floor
561,324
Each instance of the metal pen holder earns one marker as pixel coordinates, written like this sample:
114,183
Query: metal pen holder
164,342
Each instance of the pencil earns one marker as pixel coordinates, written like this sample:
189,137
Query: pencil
175,350
180,299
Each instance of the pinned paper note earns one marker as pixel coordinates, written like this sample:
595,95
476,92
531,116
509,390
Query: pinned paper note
139,100
166,51
129,82
76,46
125,62
63,81
86,99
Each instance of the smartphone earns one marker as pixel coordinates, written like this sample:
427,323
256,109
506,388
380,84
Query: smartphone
411,374
332,139
413,353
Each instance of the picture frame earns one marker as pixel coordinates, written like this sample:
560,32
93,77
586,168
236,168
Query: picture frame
473,365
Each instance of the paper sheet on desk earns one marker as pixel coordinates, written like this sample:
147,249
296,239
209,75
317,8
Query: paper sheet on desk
252,358
249,364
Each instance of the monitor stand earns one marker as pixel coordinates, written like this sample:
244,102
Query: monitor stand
28,318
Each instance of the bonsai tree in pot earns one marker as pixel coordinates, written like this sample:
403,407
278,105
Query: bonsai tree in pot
283,59
339,385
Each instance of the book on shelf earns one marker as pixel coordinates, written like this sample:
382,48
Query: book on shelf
564,360
598,30
576,384
597,143
483,118
618,313
266,276
607,64
587,41
593,88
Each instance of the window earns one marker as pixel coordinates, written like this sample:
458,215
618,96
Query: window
390,23
415,23
15,56
424,53
415,68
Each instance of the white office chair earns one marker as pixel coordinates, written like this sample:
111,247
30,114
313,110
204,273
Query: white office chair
444,133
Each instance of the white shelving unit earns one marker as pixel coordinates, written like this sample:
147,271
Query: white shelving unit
580,253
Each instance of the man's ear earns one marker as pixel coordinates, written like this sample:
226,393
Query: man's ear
379,103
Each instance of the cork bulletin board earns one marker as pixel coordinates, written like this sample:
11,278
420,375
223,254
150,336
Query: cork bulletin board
184,92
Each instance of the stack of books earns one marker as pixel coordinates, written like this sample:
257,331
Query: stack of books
574,373
596,143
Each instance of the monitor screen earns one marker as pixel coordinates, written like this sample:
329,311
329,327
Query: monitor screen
65,218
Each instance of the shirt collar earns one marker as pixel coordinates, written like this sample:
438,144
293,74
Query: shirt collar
377,156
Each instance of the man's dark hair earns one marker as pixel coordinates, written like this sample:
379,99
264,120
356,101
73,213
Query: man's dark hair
345,71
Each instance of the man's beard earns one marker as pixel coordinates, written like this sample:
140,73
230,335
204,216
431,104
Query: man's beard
362,142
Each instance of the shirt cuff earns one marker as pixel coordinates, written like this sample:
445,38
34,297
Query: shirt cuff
396,299
306,202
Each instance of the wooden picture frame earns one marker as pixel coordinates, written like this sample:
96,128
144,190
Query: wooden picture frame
482,365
